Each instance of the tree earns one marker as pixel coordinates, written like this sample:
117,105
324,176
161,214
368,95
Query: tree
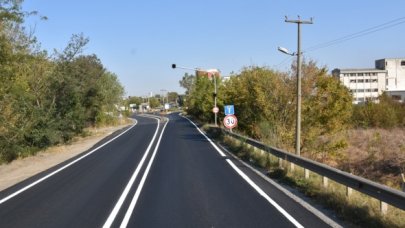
154,102
200,100
327,111
45,101
187,82
265,103
387,113
172,97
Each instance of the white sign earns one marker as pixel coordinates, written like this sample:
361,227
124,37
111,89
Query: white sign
230,121
215,110
167,106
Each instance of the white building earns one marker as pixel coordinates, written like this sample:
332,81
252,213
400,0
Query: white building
365,84
395,82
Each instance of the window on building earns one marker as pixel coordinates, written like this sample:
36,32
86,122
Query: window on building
360,74
360,81
374,80
402,63
352,74
375,90
352,80
366,74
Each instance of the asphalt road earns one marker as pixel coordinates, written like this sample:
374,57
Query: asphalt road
154,174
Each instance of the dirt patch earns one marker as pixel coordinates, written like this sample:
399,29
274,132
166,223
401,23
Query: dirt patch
21,169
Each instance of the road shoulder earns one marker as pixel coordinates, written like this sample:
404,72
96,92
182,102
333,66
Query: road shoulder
22,169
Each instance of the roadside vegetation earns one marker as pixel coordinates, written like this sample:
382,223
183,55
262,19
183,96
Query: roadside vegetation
367,140
357,209
47,99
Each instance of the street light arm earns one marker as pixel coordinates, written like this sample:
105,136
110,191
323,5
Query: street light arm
174,66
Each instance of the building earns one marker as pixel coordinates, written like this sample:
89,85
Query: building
365,84
395,82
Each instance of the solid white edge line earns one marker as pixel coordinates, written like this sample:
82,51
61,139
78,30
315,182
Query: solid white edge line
251,183
306,205
131,181
140,186
62,168
262,193
209,140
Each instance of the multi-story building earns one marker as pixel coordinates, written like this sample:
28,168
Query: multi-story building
395,82
365,84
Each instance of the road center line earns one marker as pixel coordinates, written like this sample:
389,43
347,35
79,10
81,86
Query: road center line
140,186
251,183
128,187
62,168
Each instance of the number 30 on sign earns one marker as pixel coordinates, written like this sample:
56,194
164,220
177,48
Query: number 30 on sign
230,121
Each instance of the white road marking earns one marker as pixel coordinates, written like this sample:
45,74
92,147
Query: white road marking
209,140
140,186
62,168
251,183
128,187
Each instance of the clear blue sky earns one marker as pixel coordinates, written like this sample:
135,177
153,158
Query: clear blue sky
140,39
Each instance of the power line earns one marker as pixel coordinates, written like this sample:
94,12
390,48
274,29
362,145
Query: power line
361,33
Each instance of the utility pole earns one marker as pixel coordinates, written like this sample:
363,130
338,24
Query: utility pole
215,98
298,121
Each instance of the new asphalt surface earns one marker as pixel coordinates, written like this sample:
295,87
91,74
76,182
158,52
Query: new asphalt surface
166,171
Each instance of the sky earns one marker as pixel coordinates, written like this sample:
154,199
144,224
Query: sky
138,40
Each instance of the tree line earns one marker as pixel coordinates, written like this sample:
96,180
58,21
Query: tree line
265,105
48,99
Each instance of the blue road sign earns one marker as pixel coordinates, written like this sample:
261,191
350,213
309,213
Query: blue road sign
229,110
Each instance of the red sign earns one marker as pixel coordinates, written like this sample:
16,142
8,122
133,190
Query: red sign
230,121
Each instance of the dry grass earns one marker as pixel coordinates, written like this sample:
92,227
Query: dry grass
376,154
358,209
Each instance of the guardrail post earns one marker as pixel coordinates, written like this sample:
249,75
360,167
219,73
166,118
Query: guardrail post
383,207
324,182
306,171
292,167
280,163
349,191
403,182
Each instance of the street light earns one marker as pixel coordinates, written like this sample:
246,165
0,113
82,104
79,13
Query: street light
285,51
210,71
298,54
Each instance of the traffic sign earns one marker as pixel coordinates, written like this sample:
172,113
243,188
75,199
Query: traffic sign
230,121
229,110
215,110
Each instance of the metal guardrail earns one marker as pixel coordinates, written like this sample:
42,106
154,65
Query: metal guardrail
378,191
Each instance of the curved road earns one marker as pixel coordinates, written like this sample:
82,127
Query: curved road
154,174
